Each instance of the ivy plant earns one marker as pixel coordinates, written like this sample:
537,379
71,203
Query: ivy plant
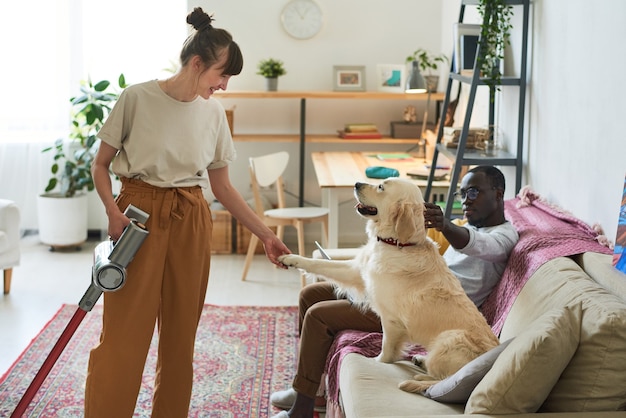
495,36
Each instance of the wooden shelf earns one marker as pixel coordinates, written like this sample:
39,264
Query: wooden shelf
328,139
375,95
303,138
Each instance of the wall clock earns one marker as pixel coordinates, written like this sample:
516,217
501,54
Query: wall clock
302,19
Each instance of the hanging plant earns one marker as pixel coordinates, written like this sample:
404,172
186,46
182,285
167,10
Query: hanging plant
495,36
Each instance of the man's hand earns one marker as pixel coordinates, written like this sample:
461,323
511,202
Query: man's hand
433,216
457,236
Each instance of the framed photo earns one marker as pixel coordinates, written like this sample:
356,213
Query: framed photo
391,77
466,37
349,78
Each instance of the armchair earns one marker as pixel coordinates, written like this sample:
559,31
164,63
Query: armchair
9,240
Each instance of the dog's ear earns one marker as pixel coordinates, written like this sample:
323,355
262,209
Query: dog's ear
409,221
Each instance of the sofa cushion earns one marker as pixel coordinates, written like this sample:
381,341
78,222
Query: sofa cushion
369,388
600,268
458,387
525,372
595,378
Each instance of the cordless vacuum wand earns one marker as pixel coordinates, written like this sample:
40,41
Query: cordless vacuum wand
108,275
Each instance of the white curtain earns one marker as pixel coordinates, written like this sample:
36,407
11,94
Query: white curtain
47,48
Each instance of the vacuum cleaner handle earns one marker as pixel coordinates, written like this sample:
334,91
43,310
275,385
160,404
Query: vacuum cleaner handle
112,258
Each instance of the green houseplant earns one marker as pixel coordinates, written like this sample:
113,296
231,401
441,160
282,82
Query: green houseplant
494,37
271,69
62,209
72,173
428,63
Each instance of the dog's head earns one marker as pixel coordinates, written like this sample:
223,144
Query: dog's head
394,208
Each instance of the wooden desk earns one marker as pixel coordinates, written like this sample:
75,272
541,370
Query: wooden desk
337,171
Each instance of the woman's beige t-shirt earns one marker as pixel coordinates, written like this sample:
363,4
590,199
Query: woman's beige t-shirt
165,142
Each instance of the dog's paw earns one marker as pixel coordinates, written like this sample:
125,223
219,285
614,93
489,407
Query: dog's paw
419,360
422,377
417,386
291,260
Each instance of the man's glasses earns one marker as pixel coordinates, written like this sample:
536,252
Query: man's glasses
471,193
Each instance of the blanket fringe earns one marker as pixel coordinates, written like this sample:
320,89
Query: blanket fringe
527,197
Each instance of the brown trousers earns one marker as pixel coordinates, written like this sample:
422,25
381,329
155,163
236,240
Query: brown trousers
166,284
322,316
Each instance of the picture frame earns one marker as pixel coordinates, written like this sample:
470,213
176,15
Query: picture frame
391,77
466,37
349,78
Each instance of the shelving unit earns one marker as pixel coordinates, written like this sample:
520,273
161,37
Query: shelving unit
463,157
302,137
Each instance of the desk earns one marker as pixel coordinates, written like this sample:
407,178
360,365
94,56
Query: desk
337,171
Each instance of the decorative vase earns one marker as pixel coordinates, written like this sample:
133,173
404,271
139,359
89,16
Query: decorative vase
271,83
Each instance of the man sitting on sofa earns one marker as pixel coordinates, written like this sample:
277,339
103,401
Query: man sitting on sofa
477,254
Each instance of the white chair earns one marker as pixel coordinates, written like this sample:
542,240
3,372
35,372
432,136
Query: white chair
266,171
9,240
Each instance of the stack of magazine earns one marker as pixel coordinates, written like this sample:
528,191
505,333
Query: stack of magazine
360,131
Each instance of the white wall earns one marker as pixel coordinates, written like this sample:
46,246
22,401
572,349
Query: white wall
575,150
355,32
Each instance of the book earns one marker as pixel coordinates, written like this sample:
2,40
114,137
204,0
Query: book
619,252
395,156
360,127
422,172
359,135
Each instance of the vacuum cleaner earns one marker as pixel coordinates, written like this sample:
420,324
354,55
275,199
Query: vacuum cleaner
108,275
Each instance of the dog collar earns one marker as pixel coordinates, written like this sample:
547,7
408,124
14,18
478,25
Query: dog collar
394,242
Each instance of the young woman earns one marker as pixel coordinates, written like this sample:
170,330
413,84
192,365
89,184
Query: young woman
169,140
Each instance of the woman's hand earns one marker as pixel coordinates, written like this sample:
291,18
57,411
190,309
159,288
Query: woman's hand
117,222
274,248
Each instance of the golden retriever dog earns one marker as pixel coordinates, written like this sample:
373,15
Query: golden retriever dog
405,280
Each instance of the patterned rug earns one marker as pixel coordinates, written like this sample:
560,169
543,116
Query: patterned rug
243,354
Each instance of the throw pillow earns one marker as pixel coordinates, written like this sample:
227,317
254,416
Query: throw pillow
523,375
458,387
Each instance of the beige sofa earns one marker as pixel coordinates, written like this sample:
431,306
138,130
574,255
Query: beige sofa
593,377
564,322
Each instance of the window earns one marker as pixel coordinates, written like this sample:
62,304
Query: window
48,46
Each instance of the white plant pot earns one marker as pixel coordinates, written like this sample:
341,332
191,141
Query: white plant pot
62,220
271,84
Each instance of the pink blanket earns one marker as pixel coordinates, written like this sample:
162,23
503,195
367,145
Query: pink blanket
546,232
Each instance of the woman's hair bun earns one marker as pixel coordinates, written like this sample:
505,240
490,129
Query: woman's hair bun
199,19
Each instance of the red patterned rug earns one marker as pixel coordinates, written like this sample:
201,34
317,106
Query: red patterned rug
243,354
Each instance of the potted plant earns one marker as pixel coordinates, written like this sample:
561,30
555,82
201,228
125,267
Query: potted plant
271,69
494,37
428,63
62,208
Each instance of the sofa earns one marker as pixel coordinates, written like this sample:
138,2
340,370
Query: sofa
560,314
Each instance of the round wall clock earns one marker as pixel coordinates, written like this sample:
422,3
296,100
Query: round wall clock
301,19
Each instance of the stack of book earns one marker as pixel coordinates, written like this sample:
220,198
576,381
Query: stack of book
360,131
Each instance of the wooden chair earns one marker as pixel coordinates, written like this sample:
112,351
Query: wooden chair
266,171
